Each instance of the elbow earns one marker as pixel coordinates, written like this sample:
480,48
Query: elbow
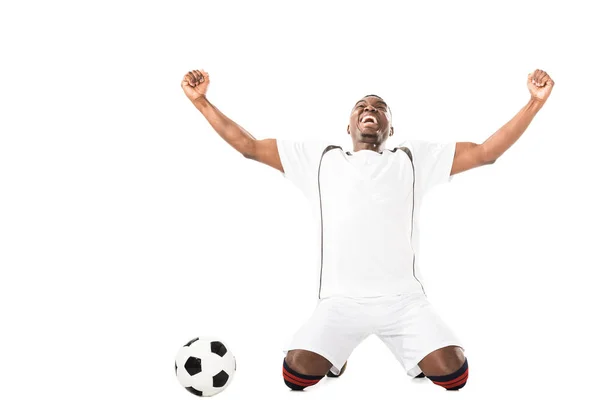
486,157
248,150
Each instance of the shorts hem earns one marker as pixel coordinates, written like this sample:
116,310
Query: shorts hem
336,364
413,369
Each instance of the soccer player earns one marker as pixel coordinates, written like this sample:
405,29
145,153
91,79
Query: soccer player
366,203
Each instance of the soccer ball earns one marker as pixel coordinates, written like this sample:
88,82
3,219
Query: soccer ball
204,366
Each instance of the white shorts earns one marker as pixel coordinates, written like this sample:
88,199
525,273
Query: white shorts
407,324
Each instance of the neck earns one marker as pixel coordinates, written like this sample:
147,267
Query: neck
377,147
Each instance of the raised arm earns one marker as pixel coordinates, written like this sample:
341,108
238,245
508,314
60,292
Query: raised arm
195,85
471,155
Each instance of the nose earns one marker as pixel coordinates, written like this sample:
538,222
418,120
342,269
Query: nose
369,108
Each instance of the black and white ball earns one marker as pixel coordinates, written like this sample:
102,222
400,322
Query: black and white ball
205,366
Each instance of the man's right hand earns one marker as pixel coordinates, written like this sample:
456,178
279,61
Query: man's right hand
195,84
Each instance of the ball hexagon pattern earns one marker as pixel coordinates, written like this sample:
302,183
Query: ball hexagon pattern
205,366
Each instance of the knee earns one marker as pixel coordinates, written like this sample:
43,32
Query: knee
446,367
308,363
453,381
302,369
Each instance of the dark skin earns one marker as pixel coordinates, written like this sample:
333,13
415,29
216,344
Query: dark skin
440,362
372,135
369,125
468,155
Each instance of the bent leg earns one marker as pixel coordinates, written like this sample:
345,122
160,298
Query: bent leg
422,342
446,367
308,363
302,368
332,332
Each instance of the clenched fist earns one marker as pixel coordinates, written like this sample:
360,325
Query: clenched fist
195,84
540,85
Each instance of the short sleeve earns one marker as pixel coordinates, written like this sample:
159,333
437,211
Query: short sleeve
432,162
300,161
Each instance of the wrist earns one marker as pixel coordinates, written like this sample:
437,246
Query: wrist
200,101
535,104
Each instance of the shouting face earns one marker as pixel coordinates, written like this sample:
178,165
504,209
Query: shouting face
370,123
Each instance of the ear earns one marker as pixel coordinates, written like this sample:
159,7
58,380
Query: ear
391,131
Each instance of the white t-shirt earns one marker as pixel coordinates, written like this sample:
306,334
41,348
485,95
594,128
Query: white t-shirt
362,202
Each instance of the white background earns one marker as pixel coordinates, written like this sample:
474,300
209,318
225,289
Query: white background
128,226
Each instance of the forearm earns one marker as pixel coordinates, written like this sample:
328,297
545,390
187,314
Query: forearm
506,136
236,136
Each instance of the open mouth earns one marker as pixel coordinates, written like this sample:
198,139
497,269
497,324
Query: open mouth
369,120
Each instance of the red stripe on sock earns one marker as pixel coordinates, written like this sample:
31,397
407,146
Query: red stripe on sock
298,380
457,383
295,382
455,379
292,380
454,382
287,373
302,385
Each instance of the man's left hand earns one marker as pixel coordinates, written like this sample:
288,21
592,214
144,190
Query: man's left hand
540,85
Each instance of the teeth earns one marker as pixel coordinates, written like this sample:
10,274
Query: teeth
369,119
